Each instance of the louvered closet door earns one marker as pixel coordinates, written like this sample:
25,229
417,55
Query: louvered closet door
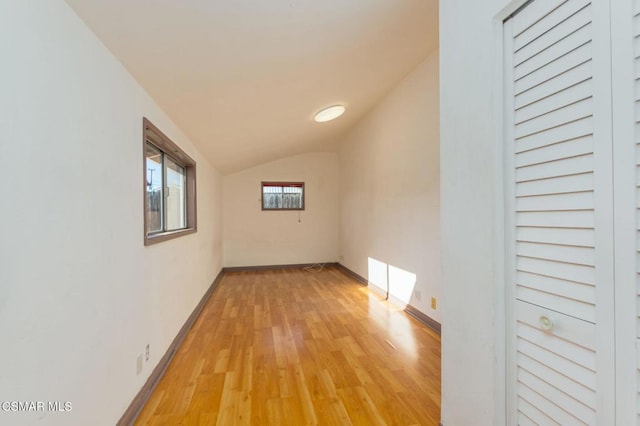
559,214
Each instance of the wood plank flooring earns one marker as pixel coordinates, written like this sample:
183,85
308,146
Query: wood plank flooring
291,347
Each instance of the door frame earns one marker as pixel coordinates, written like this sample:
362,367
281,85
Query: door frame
625,199
504,342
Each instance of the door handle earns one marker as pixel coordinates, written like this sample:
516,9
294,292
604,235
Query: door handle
546,323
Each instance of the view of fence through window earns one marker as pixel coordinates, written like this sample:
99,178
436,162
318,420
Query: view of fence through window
166,202
155,183
283,196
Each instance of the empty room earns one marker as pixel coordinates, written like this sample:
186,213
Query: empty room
292,212
221,212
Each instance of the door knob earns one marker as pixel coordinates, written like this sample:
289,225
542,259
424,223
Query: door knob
546,323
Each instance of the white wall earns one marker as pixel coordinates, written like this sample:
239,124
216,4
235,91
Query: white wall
80,295
473,322
390,191
254,237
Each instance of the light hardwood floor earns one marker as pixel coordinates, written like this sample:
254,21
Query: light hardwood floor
290,347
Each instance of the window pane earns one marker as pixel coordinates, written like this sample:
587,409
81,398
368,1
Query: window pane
153,175
272,197
176,196
292,197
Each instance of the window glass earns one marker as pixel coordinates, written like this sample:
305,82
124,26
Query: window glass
154,177
176,196
283,196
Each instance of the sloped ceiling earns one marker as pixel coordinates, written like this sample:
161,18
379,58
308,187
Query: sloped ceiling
243,78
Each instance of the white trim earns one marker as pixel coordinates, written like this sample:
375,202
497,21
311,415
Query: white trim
500,304
509,10
508,226
624,177
504,296
603,201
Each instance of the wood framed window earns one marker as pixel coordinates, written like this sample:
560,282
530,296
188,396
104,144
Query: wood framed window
282,195
169,187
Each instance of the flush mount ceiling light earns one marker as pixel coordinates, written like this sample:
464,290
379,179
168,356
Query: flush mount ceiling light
329,113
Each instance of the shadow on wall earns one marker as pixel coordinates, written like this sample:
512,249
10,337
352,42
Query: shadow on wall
400,285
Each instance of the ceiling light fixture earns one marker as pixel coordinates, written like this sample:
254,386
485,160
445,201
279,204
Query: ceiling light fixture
329,113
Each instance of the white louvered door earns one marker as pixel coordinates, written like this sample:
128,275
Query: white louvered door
559,214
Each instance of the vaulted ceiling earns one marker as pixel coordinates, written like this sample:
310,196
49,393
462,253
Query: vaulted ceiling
244,78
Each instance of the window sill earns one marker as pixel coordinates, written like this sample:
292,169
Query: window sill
164,236
282,210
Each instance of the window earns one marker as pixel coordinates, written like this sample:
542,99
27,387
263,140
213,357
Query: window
169,188
282,195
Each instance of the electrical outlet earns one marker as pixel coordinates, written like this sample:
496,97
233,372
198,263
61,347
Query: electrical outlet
147,353
434,303
139,365
341,257
417,294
